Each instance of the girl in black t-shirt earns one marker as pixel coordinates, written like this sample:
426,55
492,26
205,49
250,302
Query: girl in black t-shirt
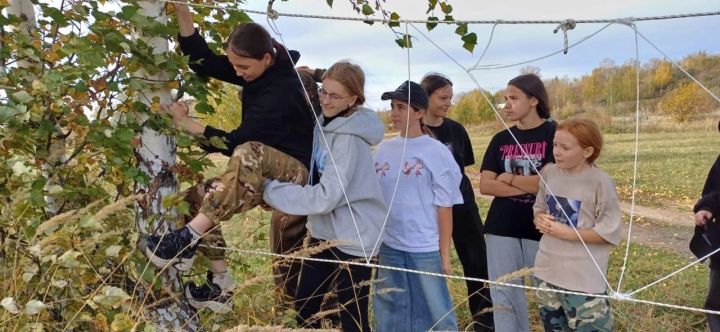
510,173
468,234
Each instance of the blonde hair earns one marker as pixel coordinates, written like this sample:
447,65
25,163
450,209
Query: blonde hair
351,76
587,133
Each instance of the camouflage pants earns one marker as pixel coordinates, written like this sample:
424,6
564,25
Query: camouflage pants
565,312
240,188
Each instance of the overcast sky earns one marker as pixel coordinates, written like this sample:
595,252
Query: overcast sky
322,42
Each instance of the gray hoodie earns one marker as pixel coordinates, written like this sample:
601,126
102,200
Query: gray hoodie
349,140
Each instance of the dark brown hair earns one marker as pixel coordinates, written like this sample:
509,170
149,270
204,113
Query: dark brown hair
434,81
251,40
533,86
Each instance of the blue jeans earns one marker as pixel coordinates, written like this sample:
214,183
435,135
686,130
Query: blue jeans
405,301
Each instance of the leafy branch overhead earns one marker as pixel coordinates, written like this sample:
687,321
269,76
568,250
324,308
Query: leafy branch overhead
369,8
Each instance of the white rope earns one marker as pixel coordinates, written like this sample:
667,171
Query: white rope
635,163
327,145
568,24
676,65
673,273
424,21
487,46
526,155
616,295
499,66
613,296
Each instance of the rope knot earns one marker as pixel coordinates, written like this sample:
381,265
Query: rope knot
566,25
621,296
272,13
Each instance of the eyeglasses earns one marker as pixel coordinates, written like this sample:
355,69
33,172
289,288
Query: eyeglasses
333,96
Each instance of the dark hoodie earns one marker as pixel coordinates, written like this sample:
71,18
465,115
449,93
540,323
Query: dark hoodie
710,201
275,111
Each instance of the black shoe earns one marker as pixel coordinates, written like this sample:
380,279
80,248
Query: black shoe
209,295
173,248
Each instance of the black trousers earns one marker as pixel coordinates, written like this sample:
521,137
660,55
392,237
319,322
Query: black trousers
469,238
349,282
713,300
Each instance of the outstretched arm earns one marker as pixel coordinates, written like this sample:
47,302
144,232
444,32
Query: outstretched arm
184,17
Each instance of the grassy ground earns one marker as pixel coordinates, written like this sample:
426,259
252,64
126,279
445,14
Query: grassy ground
672,168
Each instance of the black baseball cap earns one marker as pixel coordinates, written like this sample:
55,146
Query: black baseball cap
418,96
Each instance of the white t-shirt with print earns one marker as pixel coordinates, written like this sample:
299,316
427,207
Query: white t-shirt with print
428,178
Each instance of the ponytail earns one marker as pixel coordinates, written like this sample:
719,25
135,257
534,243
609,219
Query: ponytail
281,53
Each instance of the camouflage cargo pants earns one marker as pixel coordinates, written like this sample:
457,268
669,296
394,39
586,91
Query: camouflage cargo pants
240,188
565,312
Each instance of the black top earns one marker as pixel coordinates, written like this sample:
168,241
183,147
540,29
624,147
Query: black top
513,216
275,111
710,201
455,137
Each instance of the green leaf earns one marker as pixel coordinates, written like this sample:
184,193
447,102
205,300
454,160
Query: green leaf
405,41
204,108
446,8
431,6
462,29
470,40
396,18
431,25
113,251
218,142
111,297
122,322
449,18
22,97
46,128
367,10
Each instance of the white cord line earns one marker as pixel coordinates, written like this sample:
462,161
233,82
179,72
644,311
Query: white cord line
635,163
676,65
500,66
673,273
327,145
487,46
421,21
526,155
402,155
614,296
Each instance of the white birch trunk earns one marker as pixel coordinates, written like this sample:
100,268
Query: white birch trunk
156,157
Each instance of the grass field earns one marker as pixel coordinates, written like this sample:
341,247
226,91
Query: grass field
672,168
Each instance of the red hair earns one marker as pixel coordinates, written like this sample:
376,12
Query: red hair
587,133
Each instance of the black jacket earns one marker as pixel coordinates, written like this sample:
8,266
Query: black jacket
275,111
710,201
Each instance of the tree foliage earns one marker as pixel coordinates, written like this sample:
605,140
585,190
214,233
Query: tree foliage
610,89
80,270
685,101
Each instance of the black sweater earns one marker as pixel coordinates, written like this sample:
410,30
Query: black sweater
275,111
710,201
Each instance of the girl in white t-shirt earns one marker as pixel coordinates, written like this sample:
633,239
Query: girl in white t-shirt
420,186
577,201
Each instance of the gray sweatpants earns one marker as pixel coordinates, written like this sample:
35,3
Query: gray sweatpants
506,255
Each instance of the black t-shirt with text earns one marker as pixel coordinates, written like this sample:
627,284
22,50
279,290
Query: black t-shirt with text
455,137
513,216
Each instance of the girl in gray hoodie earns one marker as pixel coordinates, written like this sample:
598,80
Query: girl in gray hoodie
346,206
